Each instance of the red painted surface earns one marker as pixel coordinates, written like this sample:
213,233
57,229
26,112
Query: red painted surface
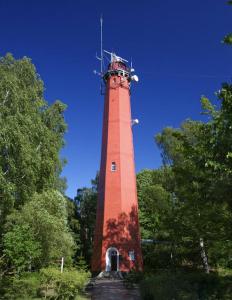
117,209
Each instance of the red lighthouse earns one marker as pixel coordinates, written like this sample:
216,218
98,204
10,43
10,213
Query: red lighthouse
117,245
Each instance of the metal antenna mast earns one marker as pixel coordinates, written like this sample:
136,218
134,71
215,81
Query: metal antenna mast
101,21
101,58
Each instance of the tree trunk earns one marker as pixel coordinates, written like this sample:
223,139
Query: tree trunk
204,256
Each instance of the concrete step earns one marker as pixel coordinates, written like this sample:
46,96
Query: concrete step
110,275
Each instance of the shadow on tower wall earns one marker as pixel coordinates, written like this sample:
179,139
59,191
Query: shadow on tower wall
123,233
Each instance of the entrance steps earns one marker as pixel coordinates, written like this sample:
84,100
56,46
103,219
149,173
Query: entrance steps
110,275
105,276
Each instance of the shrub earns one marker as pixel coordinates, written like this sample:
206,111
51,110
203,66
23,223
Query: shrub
20,248
66,285
23,287
166,285
132,278
38,234
49,283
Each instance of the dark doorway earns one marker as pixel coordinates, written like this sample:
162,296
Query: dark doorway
114,259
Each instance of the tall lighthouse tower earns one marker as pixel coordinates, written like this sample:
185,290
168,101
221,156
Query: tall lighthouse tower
117,245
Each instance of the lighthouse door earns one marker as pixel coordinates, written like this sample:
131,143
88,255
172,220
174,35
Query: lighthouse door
113,259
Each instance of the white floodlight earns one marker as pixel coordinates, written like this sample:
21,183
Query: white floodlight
135,78
135,122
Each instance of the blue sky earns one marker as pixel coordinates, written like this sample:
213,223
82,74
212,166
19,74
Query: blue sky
176,49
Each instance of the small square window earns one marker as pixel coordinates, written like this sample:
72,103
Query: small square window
132,255
113,166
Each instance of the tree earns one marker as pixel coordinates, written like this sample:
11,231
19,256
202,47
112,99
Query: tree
228,38
45,216
154,203
31,135
218,160
155,209
74,225
199,156
86,203
20,248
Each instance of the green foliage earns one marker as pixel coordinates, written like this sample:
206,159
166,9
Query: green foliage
199,155
46,217
166,285
34,228
228,39
132,278
20,247
23,287
74,225
31,135
49,283
86,204
207,106
81,264
66,285
189,199
154,202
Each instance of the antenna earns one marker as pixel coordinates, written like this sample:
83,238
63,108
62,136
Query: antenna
101,58
114,57
101,22
131,67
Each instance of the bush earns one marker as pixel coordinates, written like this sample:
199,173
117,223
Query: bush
21,248
23,287
38,234
66,285
49,283
166,285
132,278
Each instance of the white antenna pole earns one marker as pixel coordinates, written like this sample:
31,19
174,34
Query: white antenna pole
101,21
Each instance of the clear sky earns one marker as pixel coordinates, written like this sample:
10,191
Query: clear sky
176,49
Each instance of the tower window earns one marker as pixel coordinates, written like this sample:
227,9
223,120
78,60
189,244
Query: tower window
132,255
113,166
